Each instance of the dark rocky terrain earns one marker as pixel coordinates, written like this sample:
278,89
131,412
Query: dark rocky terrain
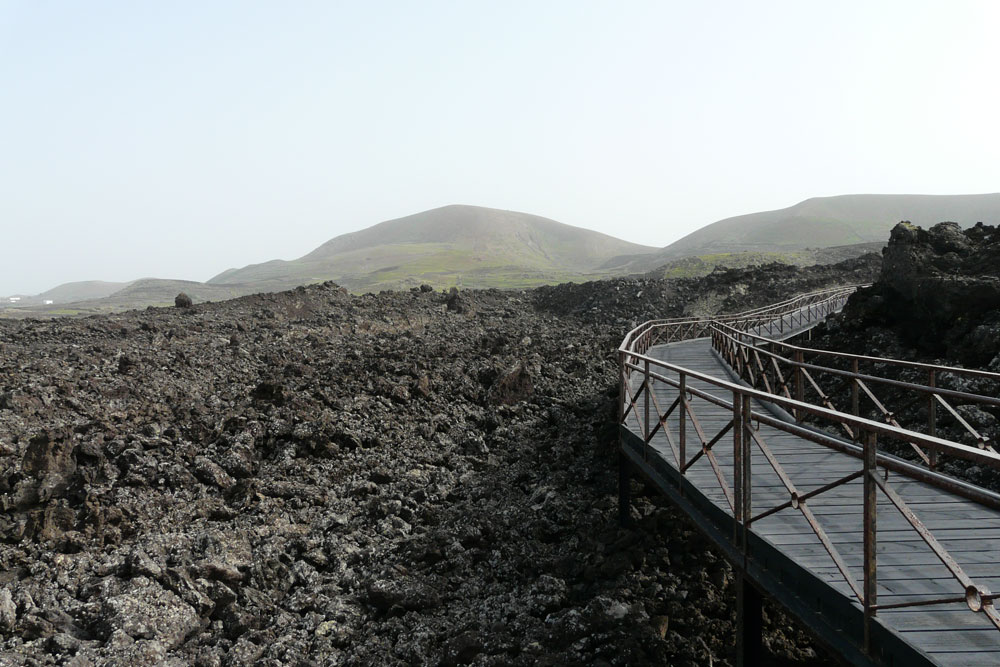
937,296
313,478
937,300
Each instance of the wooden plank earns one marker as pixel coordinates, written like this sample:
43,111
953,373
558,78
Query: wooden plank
967,658
817,557
985,572
948,617
937,587
891,526
840,503
846,543
896,531
768,490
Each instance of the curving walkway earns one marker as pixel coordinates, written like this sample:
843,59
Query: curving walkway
809,553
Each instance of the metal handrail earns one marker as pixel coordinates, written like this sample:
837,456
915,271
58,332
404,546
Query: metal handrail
957,370
737,336
863,424
793,406
735,346
642,337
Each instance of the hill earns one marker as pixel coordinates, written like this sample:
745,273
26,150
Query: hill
469,246
136,294
72,292
132,295
833,221
80,291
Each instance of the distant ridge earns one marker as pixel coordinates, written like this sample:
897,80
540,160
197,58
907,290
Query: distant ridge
473,246
833,221
468,245
84,290
79,291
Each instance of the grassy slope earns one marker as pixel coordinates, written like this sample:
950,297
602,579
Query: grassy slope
466,245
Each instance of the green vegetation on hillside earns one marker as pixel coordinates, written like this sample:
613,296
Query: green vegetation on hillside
468,245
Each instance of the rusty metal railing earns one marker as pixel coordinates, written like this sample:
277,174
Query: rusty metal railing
780,367
774,319
738,338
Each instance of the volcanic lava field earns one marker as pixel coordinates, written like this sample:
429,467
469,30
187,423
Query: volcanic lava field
315,478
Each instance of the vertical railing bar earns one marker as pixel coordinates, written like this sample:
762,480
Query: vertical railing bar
737,466
646,408
799,387
855,396
683,422
932,420
621,388
870,515
746,477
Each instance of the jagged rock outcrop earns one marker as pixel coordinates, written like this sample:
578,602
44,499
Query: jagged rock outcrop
937,300
939,290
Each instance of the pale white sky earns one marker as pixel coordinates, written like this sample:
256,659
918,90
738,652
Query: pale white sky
178,139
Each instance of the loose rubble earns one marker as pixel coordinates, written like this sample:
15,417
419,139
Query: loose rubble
316,478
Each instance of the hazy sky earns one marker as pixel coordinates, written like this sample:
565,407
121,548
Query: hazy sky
178,139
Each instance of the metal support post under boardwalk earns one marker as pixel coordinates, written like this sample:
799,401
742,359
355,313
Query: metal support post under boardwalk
749,623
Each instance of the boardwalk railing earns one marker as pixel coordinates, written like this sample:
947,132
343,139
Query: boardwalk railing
773,320
834,378
739,339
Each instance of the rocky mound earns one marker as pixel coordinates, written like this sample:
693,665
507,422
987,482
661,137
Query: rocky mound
937,300
938,293
314,478
629,302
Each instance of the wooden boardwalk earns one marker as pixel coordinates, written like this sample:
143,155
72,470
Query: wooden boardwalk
788,553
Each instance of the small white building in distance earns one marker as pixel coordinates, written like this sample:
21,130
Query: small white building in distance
14,299
48,302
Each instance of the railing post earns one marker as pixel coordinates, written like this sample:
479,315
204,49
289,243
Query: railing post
932,420
799,385
645,404
682,427
737,466
870,562
746,439
748,600
855,396
622,380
